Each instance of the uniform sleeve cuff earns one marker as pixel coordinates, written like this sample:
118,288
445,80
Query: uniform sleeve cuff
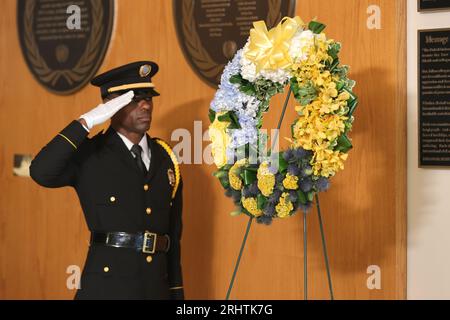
177,293
176,288
86,128
74,133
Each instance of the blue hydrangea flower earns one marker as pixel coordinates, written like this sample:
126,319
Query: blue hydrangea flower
293,170
250,190
275,196
228,192
306,184
305,207
306,171
253,188
273,169
322,184
279,178
288,154
269,210
293,196
236,196
300,153
264,220
228,96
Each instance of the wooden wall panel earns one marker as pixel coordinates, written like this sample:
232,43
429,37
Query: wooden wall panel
42,231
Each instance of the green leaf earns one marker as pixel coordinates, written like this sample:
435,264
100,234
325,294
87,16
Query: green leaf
352,102
212,115
351,84
341,71
294,86
247,89
261,201
234,121
344,144
236,79
310,196
348,125
316,27
224,182
230,117
334,65
333,50
220,173
249,176
282,164
307,94
302,197
352,95
352,107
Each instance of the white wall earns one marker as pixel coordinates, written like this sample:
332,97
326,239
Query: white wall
428,189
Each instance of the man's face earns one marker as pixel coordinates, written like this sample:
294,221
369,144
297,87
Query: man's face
134,117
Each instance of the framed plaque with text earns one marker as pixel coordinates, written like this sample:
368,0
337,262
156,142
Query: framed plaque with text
211,31
433,5
434,97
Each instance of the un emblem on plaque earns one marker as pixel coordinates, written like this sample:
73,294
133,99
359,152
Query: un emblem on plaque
211,31
64,59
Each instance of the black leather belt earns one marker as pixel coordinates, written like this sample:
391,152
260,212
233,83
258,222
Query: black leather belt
146,242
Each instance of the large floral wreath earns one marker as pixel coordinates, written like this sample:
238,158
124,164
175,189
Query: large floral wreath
289,54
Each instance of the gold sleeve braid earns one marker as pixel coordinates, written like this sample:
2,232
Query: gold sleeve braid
68,140
174,159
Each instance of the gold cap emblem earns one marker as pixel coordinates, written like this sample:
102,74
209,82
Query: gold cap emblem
145,70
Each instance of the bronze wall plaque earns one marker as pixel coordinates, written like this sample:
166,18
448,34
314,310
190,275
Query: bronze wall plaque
211,31
63,60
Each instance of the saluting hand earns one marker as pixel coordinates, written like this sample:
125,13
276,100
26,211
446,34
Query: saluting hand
105,111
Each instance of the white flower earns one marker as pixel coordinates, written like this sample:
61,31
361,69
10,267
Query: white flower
301,41
248,68
278,75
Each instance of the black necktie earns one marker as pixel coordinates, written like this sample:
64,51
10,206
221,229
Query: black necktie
137,150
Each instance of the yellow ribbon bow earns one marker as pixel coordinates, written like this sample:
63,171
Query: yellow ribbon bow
270,49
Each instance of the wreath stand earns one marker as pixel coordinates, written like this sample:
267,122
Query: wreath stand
305,235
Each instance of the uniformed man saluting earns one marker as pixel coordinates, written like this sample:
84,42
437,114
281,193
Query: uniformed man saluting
129,188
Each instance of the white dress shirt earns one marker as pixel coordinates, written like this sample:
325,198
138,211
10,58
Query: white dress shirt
146,154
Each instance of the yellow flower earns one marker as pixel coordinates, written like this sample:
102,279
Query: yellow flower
235,180
220,140
329,92
290,182
327,162
266,179
251,205
284,206
344,96
316,129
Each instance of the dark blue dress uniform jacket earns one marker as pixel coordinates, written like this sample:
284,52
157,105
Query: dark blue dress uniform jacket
116,196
